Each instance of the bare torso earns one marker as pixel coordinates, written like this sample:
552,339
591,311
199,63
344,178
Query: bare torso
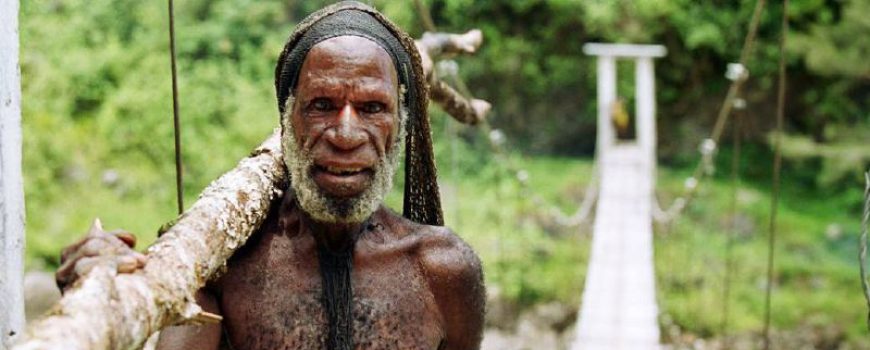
414,287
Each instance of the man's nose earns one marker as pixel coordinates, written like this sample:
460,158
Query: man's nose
347,134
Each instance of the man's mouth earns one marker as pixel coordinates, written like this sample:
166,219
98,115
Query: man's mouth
341,171
343,181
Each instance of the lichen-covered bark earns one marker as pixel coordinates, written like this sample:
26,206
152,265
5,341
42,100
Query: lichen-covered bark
106,310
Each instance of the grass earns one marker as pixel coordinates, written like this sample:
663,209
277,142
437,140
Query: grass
816,287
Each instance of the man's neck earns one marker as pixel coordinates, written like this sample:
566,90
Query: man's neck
335,237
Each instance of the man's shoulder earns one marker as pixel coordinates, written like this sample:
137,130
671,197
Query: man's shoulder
442,240
445,256
431,239
455,276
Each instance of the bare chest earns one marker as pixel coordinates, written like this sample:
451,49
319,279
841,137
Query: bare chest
272,299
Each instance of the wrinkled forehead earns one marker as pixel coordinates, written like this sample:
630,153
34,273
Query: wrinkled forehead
350,61
352,48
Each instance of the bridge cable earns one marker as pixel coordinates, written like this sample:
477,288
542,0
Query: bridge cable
733,230
862,254
425,16
179,190
777,165
738,74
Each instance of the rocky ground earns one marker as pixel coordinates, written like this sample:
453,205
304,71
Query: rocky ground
544,326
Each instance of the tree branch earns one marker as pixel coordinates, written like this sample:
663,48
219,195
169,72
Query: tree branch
438,46
464,110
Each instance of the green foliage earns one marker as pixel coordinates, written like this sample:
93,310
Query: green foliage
97,107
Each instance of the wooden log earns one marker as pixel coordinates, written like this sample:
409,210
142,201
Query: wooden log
11,188
107,310
445,45
437,46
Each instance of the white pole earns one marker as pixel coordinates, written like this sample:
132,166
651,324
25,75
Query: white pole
606,97
11,189
645,103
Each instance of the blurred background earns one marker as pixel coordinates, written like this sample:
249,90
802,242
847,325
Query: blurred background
98,142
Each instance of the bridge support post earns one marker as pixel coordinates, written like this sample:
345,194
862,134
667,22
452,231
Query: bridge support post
606,96
644,83
11,189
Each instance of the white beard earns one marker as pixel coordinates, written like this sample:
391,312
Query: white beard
320,205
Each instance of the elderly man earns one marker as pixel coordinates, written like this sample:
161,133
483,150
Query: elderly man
332,268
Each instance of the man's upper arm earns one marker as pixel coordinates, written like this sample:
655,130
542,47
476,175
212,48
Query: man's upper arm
205,337
456,279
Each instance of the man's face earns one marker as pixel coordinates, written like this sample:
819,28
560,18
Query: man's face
341,137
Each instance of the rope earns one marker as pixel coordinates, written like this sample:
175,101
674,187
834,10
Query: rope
179,190
862,255
496,142
777,165
580,216
729,245
425,16
738,75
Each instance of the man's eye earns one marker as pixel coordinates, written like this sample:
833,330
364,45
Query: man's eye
373,107
322,104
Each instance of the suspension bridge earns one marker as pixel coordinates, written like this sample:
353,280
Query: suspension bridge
619,308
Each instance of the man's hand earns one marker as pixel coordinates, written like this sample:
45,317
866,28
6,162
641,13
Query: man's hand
79,258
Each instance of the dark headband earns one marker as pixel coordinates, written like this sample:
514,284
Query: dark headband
342,23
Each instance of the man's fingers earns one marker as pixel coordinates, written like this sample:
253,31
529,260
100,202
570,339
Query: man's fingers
87,248
140,258
80,257
85,259
128,238
64,275
96,246
127,264
66,252
124,263
84,265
